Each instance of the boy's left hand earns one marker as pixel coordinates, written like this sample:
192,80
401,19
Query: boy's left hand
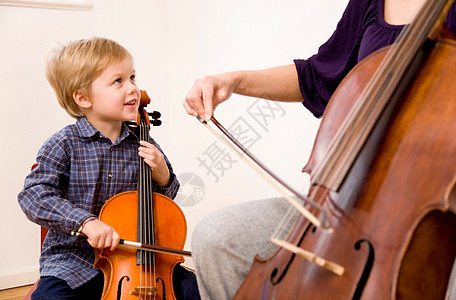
155,159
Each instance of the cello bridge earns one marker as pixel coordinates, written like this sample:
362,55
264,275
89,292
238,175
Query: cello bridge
144,291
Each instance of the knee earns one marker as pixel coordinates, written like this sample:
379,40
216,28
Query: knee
205,235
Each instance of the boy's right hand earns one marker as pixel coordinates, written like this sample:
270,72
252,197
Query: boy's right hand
100,235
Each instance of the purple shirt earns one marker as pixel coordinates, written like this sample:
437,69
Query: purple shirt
361,31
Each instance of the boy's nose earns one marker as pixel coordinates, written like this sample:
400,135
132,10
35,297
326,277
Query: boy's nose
133,88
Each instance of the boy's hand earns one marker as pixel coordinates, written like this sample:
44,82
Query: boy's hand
155,159
100,235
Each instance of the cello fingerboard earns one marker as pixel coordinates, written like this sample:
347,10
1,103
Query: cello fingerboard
146,232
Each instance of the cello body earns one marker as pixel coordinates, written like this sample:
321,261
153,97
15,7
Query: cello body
124,277
394,213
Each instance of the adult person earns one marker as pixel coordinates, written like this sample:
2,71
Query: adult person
225,243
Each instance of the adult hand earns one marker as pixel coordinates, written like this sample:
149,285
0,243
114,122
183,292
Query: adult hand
208,92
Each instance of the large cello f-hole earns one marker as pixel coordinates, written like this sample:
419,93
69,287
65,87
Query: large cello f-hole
367,267
278,273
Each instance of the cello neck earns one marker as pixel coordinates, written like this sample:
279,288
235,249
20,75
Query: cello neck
146,222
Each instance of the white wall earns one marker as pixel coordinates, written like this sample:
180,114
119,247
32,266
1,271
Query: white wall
174,43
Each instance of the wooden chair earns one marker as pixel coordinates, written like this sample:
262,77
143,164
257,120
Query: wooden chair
29,294
44,231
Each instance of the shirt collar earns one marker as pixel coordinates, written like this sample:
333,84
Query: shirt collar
87,130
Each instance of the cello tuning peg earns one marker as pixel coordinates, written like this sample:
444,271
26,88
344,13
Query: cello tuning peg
156,122
154,114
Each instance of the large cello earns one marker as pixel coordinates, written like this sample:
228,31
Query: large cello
383,172
151,219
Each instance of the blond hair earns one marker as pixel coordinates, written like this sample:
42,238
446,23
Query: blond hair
73,68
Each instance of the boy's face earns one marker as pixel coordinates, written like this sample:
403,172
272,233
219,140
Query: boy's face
114,95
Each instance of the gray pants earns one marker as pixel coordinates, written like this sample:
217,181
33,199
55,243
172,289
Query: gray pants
225,243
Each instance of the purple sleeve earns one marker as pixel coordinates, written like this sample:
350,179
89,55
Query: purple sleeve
320,75
359,33
451,19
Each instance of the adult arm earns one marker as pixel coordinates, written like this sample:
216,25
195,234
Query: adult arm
278,83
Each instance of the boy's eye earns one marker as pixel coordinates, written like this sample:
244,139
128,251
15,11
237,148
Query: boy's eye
118,80
133,77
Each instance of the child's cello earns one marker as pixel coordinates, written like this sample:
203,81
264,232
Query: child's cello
148,218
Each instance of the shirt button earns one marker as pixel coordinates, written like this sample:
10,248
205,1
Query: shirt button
110,149
110,175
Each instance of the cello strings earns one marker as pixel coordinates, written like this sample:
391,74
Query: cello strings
145,220
150,229
147,261
150,225
141,214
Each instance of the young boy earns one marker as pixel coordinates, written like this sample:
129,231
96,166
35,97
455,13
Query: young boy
86,163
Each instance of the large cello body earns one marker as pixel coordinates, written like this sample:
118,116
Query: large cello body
392,207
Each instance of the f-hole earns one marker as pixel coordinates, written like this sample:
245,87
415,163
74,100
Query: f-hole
119,286
163,287
275,277
367,268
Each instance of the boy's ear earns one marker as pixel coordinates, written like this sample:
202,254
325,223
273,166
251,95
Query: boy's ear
82,100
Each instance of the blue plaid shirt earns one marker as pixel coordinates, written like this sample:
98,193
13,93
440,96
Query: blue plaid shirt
78,170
